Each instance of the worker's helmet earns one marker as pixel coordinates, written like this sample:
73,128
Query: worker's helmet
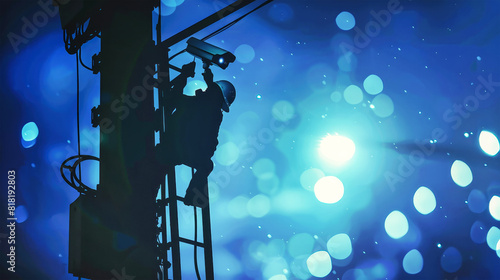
228,92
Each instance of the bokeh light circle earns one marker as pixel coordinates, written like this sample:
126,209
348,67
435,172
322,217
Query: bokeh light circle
494,207
353,95
329,189
278,277
339,246
336,96
21,214
29,132
345,21
424,200
347,62
489,143
300,244
281,12
336,149
373,84
269,185
227,153
461,173
258,206
493,237
244,53
451,260
478,232
194,85
396,225
283,110
237,207
413,262
477,201
498,248
309,178
172,3
382,105
319,264
263,168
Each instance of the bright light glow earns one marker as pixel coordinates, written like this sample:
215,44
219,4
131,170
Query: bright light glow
382,105
493,237
29,132
477,201
373,84
396,224
489,143
413,262
339,246
319,264
353,95
451,260
221,60
258,206
345,21
329,189
461,173
337,149
309,178
495,207
424,200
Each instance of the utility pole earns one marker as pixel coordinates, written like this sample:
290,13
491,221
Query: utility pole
115,231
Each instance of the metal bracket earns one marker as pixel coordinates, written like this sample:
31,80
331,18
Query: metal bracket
95,115
96,63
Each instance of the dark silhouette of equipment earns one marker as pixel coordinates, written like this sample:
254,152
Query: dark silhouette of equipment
209,53
120,230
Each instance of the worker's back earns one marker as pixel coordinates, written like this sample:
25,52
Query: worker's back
195,127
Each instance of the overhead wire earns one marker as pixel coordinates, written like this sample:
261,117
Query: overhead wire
225,27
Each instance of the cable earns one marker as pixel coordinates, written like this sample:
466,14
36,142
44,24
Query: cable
81,62
225,27
75,180
78,113
197,270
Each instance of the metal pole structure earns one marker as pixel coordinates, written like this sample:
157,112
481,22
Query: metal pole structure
128,176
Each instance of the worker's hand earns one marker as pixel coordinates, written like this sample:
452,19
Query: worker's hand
188,69
208,76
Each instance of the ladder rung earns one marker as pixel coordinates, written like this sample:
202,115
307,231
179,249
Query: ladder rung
167,200
188,241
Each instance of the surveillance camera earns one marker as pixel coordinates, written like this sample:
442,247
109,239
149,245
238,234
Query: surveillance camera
209,53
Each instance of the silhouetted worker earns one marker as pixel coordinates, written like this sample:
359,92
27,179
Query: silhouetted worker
193,127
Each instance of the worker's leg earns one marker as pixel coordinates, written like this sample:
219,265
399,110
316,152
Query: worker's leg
197,192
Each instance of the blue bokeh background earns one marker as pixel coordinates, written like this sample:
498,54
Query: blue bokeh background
293,65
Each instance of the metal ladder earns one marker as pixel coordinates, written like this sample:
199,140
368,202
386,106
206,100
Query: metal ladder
174,238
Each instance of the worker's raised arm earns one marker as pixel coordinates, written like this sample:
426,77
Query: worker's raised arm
178,83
